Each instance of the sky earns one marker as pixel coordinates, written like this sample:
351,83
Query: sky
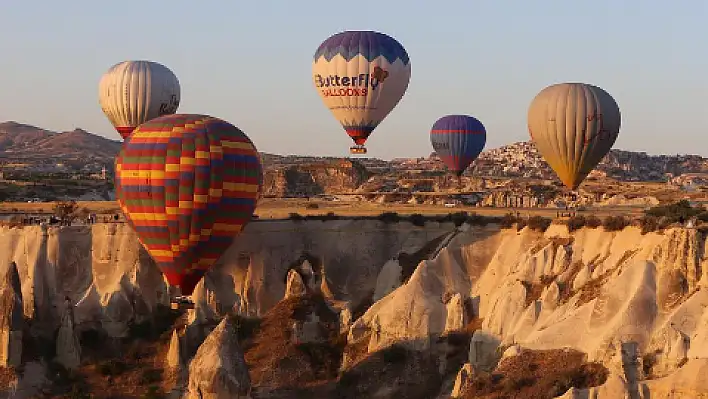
250,62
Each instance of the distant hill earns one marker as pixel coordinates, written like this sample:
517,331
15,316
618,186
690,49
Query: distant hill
26,142
31,145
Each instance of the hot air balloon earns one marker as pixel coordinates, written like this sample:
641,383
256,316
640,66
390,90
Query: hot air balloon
188,185
458,140
361,76
573,125
133,92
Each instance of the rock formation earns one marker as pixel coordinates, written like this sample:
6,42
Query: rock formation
11,318
634,302
294,285
218,370
68,347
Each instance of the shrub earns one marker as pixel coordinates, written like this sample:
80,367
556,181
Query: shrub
328,216
508,220
649,223
295,216
539,223
679,211
395,353
615,223
389,217
703,217
479,220
593,222
417,219
459,218
575,223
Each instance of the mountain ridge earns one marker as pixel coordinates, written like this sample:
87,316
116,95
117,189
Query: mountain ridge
28,143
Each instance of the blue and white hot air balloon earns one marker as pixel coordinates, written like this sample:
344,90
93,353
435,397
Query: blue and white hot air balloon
458,140
361,76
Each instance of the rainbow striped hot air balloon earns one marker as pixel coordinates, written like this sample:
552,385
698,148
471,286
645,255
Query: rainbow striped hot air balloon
187,184
458,140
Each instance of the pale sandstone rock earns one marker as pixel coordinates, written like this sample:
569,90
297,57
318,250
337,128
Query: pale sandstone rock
388,280
345,319
175,358
11,318
294,286
484,353
68,347
699,337
218,370
512,351
650,282
550,296
464,377
94,264
456,314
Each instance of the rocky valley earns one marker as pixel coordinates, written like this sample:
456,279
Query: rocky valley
360,308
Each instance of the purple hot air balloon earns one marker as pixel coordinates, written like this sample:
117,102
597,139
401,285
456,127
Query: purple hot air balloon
458,140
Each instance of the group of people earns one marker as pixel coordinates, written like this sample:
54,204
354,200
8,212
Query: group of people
54,220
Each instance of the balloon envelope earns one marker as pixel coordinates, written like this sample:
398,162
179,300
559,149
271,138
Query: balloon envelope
458,140
573,125
133,92
361,76
187,184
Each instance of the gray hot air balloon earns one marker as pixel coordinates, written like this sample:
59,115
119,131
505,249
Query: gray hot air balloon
573,125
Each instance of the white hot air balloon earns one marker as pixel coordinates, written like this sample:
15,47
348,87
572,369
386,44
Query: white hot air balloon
361,76
573,125
134,92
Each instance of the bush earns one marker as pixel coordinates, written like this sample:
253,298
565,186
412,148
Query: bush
615,223
459,218
649,223
395,353
702,217
680,211
575,223
593,222
479,220
389,217
417,219
323,218
508,221
539,223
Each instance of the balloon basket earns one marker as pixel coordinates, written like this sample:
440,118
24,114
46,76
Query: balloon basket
181,303
357,149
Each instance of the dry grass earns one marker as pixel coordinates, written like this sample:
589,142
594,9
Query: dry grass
537,375
275,362
458,346
130,368
7,376
534,290
394,372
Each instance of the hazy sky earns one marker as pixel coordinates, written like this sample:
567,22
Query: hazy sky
249,62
